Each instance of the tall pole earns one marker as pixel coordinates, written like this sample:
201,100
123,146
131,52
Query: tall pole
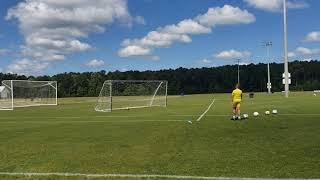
238,71
269,83
268,46
286,69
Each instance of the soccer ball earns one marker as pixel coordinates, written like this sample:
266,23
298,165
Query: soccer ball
245,116
274,111
267,112
255,114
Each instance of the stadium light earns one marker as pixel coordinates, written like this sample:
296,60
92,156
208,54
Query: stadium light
286,69
268,45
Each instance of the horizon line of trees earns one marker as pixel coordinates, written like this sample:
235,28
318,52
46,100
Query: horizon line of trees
305,76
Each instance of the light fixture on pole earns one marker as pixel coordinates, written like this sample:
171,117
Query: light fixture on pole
268,45
286,68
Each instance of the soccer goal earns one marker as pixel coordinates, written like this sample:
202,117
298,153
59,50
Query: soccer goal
24,93
129,94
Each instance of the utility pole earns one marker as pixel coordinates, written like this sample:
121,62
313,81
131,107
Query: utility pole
238,71
268,45
269,83
286,68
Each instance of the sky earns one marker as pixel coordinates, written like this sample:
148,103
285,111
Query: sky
46,37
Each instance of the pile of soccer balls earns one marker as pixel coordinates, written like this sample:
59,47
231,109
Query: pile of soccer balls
256,114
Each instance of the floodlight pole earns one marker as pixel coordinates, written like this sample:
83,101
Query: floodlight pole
286,68
238,71
269,83
268,46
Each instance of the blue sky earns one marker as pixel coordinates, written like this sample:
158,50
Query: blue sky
49,37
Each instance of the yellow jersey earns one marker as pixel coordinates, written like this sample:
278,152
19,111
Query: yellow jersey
236,95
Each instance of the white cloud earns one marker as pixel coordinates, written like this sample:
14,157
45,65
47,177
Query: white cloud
54,29
276,5
267,5
232,54
27,67
134,50
138,52
181,32
302,52
225,15
95,63
244,63
205,61
313,36
187,26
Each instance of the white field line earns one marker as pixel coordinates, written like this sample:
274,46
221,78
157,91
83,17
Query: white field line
136,176
120,116
225,115
205,112
293,114
93,121
85,117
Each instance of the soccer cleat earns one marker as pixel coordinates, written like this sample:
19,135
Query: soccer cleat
233,118
239,118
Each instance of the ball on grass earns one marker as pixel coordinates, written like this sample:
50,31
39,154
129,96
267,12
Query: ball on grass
267,112
245,116
255,114
274,111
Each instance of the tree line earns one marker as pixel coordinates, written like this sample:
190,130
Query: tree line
253,78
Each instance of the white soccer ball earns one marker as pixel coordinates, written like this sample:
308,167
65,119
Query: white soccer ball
245,116
255,114
274,111
267,112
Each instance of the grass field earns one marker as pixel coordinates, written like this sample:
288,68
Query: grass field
73,138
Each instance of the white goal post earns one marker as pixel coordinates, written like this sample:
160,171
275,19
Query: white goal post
25,93
129,94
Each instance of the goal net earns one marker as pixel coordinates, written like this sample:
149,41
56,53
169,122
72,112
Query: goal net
128,94
23,93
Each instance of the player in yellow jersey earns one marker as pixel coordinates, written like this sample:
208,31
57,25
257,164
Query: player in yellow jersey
236,101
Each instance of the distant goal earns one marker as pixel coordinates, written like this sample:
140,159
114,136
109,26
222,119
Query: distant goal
24,93
129,94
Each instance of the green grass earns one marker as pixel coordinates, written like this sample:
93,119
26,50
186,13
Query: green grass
73,138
